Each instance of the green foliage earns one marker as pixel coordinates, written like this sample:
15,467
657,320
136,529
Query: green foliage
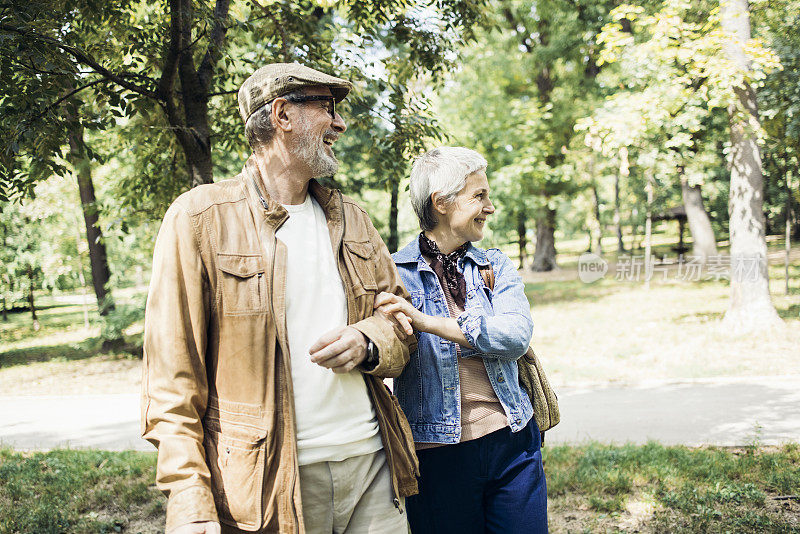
117,321
516,99
779,106
108,66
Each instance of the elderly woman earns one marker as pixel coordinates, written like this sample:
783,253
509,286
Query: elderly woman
476,438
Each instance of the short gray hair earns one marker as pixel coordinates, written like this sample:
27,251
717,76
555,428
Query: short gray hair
259,129
442,170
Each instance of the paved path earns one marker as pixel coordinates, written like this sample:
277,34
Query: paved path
719,411
716,412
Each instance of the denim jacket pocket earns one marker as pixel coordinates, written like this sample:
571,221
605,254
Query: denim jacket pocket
241,278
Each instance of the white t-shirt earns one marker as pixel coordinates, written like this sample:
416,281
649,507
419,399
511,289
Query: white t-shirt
334,416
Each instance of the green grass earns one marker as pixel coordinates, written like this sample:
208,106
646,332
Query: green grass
592,488
689,490
68,491
62,334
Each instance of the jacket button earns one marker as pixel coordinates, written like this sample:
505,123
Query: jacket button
501,379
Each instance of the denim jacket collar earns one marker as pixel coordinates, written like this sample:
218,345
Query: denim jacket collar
411,254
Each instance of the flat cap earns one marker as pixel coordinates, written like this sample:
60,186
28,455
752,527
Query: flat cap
276,79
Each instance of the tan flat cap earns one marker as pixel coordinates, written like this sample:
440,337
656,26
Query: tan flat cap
276,79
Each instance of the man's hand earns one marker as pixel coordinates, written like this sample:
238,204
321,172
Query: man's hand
340,350
206,527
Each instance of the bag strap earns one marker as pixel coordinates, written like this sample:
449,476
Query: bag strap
487,273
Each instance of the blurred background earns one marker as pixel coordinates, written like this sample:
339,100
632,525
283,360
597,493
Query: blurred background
643,160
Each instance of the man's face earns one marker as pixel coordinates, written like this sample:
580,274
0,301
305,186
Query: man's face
316,132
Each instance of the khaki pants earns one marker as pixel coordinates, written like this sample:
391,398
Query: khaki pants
353,496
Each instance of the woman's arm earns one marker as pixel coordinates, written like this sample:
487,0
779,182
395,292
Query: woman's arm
504,335
507,333
446,327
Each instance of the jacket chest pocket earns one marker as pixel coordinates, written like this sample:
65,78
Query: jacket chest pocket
237,477
359,257
242,283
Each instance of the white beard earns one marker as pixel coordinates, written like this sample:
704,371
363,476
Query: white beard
311,150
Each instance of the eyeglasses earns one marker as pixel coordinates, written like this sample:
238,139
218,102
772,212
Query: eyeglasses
329,102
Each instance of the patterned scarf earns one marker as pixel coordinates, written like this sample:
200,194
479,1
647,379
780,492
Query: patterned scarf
446,267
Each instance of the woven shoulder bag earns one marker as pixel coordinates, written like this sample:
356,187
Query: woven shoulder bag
532,377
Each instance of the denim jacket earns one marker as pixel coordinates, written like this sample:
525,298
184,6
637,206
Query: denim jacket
498,326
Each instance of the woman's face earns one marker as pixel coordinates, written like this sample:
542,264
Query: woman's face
466,215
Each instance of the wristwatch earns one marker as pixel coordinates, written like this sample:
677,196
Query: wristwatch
371,361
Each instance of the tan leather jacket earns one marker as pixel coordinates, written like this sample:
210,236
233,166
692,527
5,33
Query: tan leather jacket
217,392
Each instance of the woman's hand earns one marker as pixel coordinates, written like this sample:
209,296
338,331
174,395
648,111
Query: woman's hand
446,327
407,316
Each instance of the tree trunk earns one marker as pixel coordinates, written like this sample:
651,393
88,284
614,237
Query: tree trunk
522,239
98,257
598,226
394,239
31,302
751,307
648,229
189,120
788,238
3,289
197,151
544,257
704,243
618,217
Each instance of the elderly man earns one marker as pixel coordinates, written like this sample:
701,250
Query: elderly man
263,360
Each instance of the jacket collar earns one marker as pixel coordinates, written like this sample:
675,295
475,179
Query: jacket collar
412,254
276,214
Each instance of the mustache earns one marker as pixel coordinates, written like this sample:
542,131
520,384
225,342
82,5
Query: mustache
331,135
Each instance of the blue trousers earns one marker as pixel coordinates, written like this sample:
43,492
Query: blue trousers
493,484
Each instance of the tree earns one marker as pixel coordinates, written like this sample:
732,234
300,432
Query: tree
559,39
98,257
692,58
515,99
751,306
186,59
109,51
778,100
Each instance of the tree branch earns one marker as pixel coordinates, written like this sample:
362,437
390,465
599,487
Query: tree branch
86,59
175,122
220,93
34,69
66,96
169,70
281,30
213,52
